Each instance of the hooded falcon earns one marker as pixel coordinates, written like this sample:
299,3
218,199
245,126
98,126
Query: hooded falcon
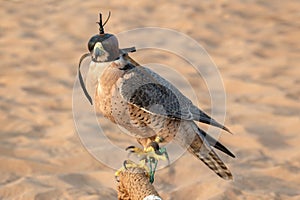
147,105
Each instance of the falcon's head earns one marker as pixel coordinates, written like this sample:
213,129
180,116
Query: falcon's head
104,47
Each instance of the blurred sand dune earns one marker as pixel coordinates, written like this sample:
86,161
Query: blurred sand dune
255,44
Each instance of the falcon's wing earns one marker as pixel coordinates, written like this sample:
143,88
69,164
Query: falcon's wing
147,90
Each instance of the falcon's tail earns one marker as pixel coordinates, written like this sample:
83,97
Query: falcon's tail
202,150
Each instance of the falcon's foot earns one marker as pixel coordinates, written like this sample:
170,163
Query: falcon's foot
130,164
153,151
150,156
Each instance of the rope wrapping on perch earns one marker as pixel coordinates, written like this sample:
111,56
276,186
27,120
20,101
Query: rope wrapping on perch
134,185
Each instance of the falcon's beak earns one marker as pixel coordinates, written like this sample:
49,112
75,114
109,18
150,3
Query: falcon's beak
98,53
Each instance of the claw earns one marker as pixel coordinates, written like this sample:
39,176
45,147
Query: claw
124,164
130,164
124,167
130,147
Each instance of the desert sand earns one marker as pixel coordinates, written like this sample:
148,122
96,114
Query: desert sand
255,45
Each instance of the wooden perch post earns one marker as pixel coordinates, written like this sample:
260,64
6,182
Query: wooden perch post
135,185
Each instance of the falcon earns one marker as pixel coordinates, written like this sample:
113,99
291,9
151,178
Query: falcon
152,110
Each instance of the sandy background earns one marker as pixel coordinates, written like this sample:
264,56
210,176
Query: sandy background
255,44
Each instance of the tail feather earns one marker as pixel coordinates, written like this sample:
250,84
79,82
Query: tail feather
212,160
201,148
217,165
198,144
213,142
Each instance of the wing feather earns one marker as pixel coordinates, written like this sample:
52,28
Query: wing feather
146,89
